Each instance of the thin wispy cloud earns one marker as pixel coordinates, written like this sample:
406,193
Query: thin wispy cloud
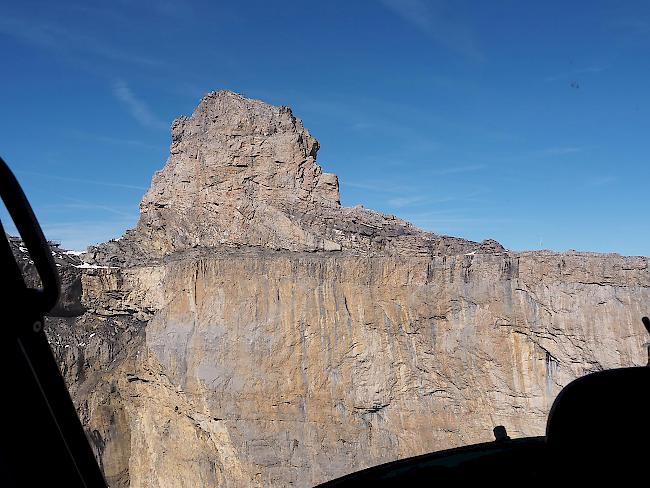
430,198
138,109
419,201
400,202
381,118
573,73
165,8
631,26
406,195
172,9
52,36
434,221
83,181
434,19
78,205
600,181
560,151
362,125
376,186
452,170
116,141
456,221
373,116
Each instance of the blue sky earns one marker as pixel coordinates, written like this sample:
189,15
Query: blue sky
526,123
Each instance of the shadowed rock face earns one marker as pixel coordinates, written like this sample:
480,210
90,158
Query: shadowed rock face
290,340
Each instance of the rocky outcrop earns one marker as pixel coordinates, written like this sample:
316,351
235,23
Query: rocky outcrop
250,331
244,173
69,304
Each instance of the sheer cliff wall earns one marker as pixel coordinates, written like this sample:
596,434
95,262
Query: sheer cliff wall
296,368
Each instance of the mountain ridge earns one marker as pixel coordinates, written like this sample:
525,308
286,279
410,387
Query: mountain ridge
276,359
243,173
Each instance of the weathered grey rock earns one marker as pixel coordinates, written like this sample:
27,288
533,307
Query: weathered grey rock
244,173
69,304
252,332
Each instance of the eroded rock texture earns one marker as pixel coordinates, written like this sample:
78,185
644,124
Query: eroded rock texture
252,332
241,172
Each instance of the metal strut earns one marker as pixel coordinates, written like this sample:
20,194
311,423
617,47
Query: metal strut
42,441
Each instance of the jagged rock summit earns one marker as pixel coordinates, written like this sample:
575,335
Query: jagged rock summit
243,173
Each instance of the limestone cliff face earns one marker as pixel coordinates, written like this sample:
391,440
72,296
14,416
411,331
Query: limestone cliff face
212,347
294,368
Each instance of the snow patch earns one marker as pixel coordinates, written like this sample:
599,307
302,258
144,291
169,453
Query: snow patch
74,253
94,266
